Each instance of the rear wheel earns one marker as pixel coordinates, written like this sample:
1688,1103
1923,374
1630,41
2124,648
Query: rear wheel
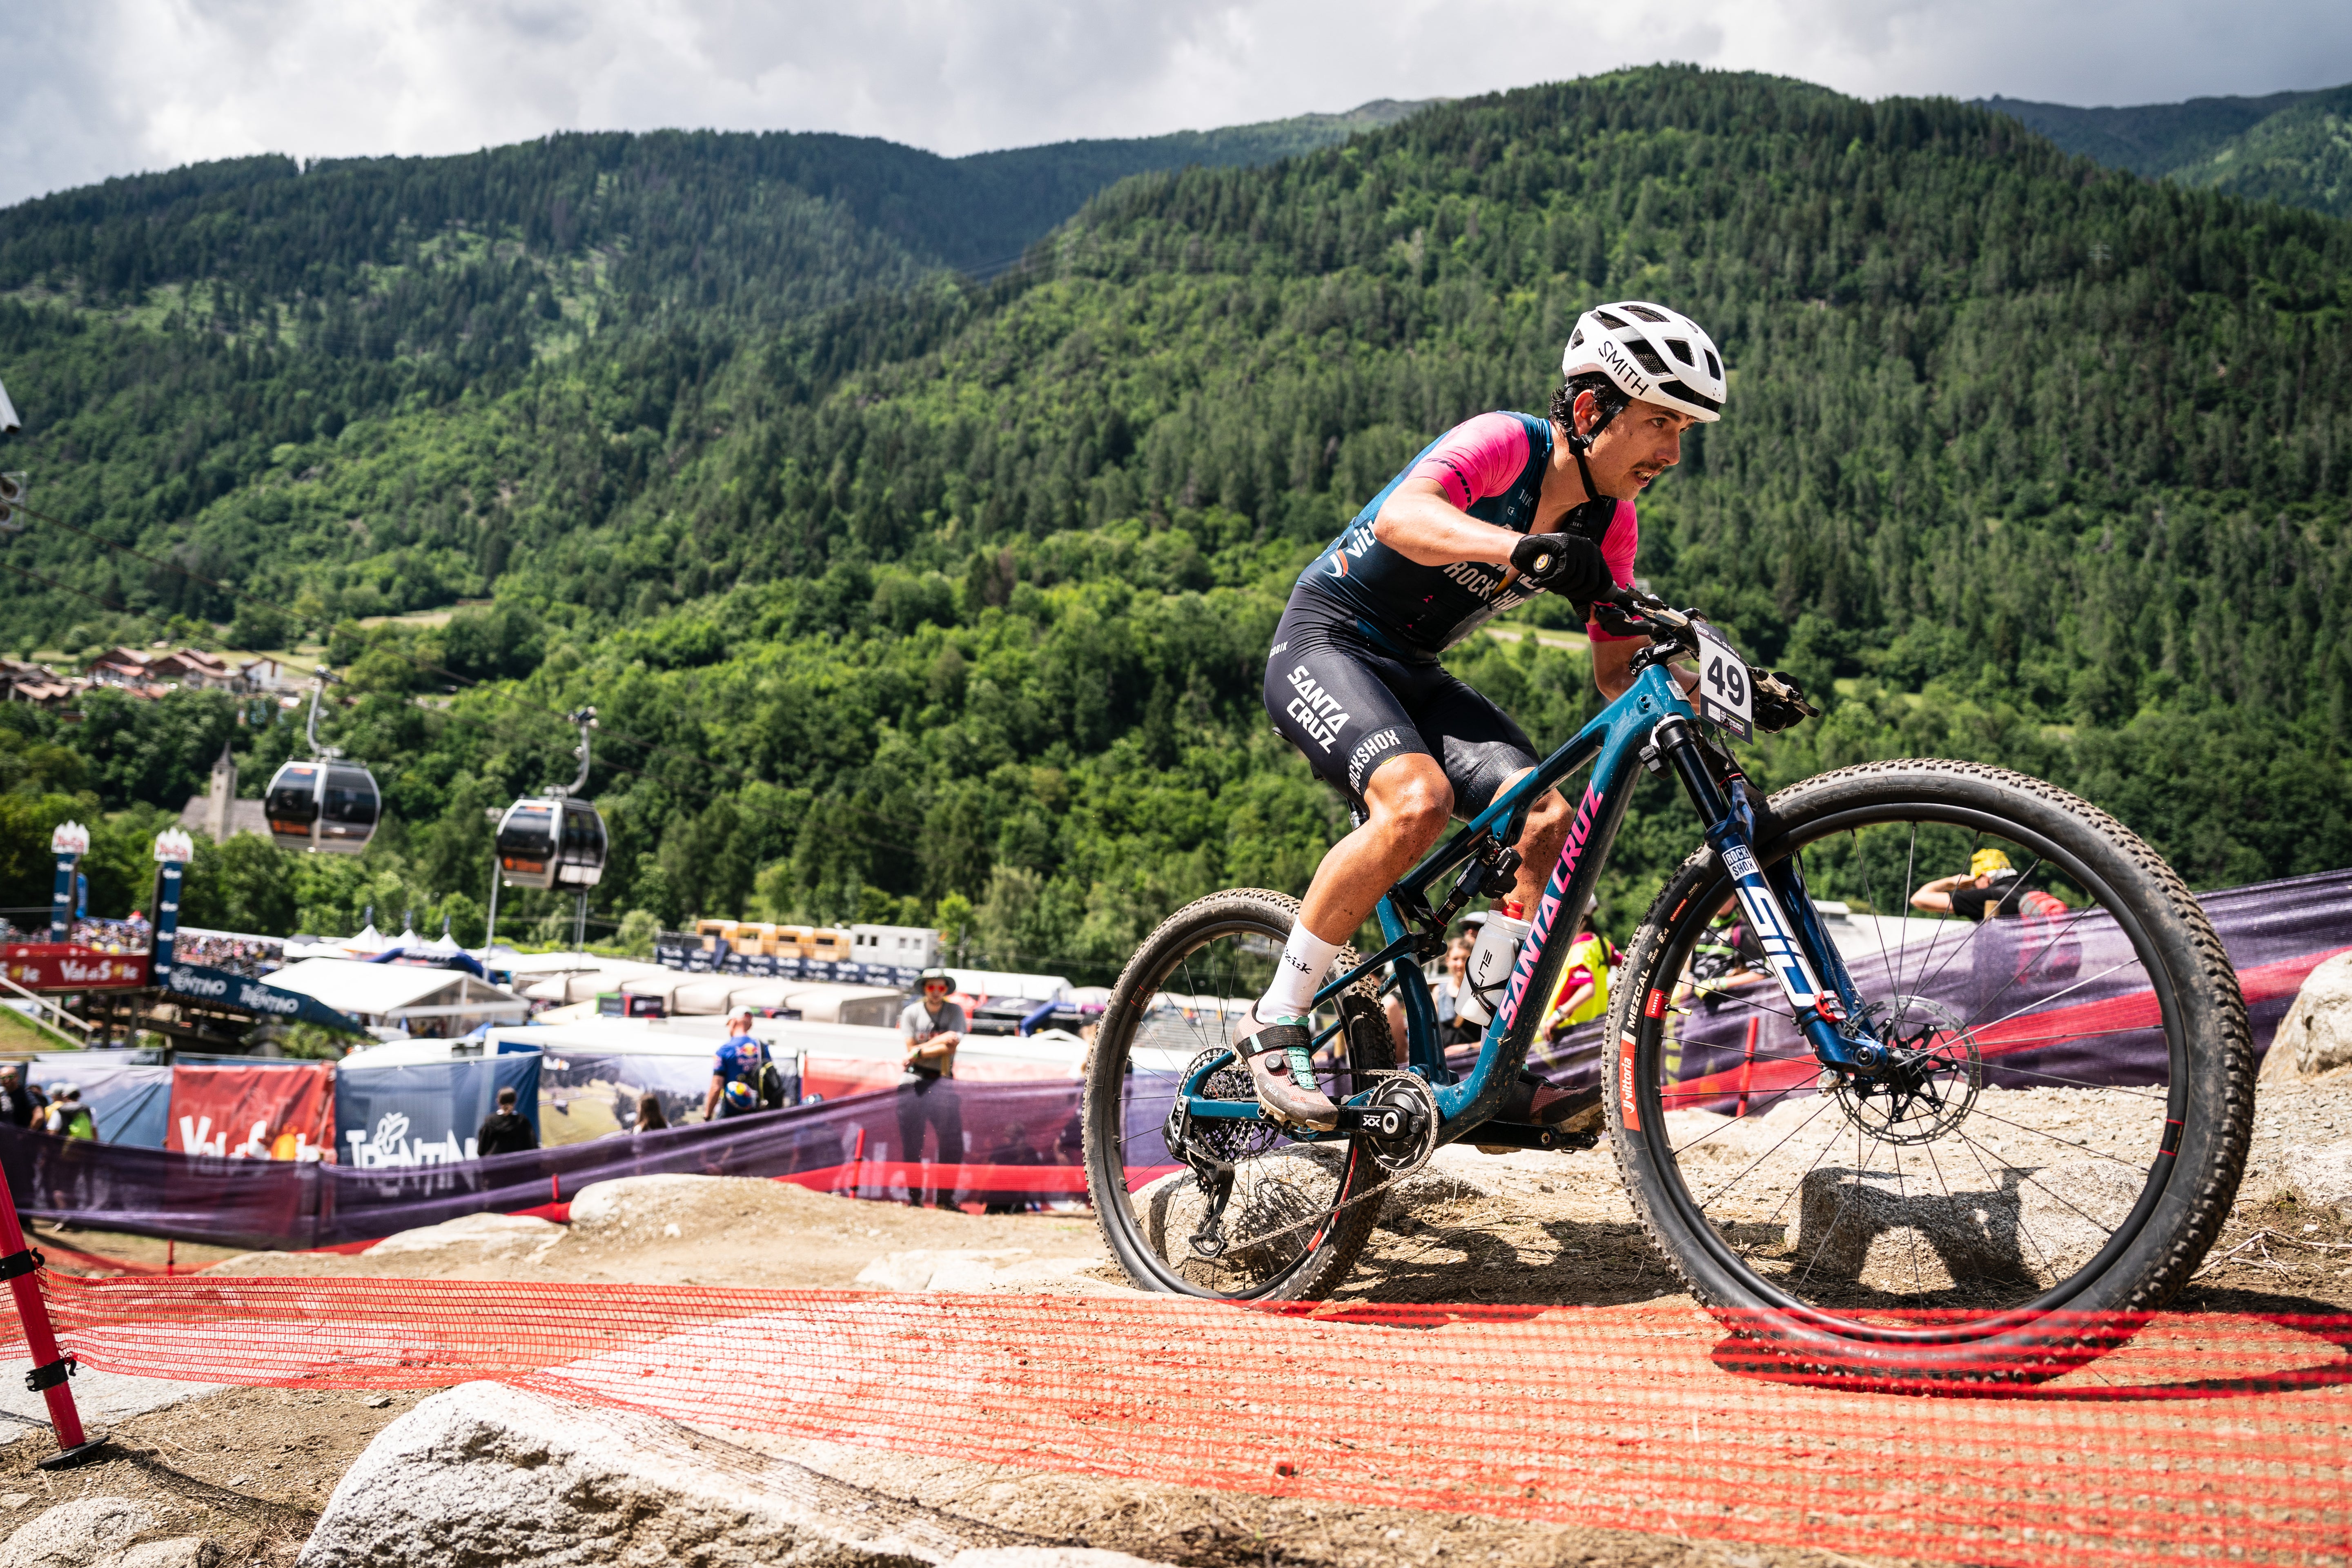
2056,1144
1259,1215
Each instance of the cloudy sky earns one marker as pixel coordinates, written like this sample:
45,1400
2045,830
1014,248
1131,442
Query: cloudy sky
105,87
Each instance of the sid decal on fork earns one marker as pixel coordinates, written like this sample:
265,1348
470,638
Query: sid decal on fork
1789,965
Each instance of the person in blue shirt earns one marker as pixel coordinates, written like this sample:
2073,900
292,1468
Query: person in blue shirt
740,1060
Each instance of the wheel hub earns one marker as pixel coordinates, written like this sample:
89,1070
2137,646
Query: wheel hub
1210,1143
1923,1079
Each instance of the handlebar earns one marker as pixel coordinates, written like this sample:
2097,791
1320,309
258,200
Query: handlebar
1630,612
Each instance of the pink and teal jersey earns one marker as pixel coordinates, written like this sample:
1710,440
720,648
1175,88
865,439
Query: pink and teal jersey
1492,467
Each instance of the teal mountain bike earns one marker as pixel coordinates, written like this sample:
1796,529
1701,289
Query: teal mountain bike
1919,1144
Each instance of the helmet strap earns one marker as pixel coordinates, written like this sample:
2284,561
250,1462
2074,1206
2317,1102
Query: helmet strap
1580,442
1576,445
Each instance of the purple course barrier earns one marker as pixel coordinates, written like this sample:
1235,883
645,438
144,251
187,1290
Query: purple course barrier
2051,999
1019,1144
2067,998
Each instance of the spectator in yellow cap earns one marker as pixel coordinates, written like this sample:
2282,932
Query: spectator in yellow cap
1986,891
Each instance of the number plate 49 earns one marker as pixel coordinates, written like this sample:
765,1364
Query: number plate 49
1723,694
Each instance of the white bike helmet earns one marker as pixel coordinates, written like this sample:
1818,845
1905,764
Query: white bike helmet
1651,353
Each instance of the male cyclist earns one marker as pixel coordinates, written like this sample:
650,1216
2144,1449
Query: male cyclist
1498,508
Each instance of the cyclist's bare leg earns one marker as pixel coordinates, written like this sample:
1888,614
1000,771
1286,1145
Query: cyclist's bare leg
1540,845
1408,804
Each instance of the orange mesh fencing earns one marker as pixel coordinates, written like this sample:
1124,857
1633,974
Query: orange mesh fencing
2208,1437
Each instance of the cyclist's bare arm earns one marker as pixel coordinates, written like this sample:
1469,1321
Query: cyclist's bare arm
1612,667
1421,524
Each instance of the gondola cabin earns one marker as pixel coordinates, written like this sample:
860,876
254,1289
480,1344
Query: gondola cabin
552,842
318,804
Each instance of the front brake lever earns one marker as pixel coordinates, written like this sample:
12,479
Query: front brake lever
1769,683
1620,620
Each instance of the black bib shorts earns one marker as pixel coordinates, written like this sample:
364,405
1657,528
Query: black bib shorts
1349,702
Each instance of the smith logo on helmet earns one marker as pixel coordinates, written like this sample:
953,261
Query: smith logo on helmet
1623,370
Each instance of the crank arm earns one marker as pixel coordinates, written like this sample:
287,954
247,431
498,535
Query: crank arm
1379,1121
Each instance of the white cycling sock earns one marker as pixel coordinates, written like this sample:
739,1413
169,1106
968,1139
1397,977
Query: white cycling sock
1298,976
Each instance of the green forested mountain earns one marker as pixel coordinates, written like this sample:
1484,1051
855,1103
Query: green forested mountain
2289,147
947,600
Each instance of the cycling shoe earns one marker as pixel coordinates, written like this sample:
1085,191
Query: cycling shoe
1282,1072
1534,1102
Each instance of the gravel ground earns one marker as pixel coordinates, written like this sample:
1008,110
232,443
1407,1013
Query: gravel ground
249,1468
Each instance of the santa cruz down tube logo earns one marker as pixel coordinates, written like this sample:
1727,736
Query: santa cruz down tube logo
1546,910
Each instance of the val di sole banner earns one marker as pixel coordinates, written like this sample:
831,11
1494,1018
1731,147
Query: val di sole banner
280,1112
67,966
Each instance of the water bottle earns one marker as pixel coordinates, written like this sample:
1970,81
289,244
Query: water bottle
1490,969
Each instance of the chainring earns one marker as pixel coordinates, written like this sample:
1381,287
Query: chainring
1408,1092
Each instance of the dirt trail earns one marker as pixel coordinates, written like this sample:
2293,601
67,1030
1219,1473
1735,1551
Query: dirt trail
251,1467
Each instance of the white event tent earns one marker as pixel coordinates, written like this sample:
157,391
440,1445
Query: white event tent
417,999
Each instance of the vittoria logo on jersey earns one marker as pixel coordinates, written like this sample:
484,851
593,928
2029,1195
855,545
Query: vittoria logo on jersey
1351,545
1318,712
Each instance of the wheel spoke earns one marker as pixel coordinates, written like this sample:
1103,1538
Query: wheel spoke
2049,946
2062,1142
1955,1078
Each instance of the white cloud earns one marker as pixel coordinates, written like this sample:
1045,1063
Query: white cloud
106,86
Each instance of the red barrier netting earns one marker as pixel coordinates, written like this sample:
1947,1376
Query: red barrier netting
2206,1437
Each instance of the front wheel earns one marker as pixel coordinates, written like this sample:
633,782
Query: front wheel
1237,1208
2060,1135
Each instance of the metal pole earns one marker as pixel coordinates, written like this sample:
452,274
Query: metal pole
490,937
51,1367
580,924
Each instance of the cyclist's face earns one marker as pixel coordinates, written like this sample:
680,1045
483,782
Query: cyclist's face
1640,443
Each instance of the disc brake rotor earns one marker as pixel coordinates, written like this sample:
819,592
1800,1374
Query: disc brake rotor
1931,1078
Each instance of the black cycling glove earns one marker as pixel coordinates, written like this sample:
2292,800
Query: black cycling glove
1568,565
1780,701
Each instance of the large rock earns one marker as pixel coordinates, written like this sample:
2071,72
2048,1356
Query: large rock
2315,1035
2322,1176
1900,1235
101,1532
488,1234
76,1534
488,1474
102,1397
